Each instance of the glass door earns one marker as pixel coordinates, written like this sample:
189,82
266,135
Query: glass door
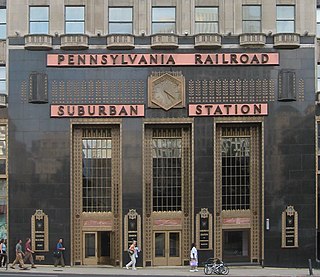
236,245
167,248
90,244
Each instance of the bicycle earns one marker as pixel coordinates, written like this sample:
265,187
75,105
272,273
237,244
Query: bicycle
214,265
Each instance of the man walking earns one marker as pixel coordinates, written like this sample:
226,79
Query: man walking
28,253
19,255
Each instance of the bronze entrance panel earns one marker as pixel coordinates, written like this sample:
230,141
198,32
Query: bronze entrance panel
168,200
96,194
97,248
238,192
167,248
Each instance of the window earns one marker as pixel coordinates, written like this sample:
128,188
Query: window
251,19
120,21
285,19
318,22
318,77
3,80
3,23
166,174
39,20
235,173
74,19
206,20
96,171
163,20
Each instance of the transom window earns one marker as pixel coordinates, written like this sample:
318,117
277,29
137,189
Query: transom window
74,19
3,23
235,173
206,20
166,154
96,172
285,19
38,20
163,20
251,19
120,20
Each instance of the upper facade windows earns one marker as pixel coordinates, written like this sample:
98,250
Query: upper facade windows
74,20
318,22
234,17
251,19
206,20
163,20
253,22
285,19
3,23
38,20
120,20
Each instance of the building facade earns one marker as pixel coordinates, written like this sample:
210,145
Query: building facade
168,122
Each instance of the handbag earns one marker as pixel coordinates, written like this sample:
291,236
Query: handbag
130,251
193,263
56,254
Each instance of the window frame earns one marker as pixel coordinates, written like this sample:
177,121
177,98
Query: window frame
39,21
245,20
286,20
97,174
167,188
205,21
163,21
74,20
120,21
318,77
4,79
4,24
318,22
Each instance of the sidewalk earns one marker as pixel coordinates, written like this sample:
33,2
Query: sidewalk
170,271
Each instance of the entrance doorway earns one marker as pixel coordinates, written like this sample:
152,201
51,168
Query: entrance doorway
97,248
167,248
236,245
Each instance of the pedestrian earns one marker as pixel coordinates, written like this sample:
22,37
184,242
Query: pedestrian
58,258
28,253
193,258
133,254
19,255
3,252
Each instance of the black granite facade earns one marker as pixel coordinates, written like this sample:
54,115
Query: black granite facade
39,146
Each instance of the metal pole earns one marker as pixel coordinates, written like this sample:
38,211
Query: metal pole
310,267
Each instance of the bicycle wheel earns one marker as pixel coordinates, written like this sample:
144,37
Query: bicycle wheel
207,270
224,270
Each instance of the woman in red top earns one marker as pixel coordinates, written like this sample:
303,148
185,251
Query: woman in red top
132,253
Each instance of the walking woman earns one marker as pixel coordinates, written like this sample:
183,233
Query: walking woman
132,254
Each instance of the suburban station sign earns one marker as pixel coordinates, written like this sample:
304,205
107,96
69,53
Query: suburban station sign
97,110
180,59
138,110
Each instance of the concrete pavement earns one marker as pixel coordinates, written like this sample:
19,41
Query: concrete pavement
168,271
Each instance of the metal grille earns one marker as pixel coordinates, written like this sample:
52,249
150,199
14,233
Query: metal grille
166,158
96,181
235,173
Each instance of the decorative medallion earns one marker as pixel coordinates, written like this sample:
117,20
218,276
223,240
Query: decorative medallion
166,90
